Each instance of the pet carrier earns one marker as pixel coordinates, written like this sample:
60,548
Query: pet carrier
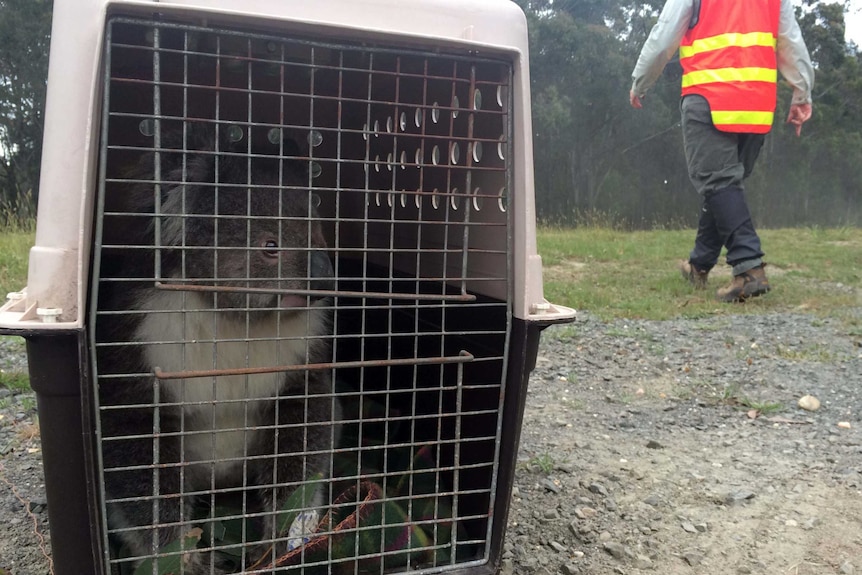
285,296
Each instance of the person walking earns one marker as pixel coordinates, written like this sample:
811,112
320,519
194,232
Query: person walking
730,52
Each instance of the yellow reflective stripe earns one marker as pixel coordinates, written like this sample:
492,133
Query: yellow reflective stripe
726,41
742,117
729,75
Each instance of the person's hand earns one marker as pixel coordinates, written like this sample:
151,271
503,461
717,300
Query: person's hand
635,101
799,114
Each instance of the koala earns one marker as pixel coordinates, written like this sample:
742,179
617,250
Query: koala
223,276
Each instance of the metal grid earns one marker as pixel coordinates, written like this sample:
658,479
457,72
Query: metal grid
301,313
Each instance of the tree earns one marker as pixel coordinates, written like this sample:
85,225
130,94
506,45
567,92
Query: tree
595,154
25,30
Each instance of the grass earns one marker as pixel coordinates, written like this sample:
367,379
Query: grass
618,274
14,380
15,245
544,462
15,242
732,395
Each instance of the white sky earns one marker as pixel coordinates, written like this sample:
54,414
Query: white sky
853,22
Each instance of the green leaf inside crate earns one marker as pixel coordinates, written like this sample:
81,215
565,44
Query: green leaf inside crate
172,556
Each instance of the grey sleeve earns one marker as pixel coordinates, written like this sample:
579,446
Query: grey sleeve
662,44
794,63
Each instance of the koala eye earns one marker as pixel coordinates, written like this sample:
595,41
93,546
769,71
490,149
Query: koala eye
270,248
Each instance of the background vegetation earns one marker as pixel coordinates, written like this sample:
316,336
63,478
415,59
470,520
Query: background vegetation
594,153
25,31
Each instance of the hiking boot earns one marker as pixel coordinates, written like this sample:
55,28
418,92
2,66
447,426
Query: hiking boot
693,275
746,285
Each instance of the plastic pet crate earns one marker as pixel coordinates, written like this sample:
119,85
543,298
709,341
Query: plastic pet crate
285,297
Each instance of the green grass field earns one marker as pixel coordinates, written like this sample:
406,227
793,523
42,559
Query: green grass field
618,274
635,274
14,251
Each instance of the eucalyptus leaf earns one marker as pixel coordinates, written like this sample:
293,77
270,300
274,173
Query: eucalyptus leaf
171,557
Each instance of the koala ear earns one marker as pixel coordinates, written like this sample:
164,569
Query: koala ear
292,154
182,197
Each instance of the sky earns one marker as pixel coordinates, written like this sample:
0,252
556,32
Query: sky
853,22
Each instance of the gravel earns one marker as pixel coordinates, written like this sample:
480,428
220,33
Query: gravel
674,447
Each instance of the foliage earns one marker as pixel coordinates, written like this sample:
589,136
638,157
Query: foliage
595,154
25,30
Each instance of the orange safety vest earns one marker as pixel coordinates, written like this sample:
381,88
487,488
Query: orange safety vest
728,57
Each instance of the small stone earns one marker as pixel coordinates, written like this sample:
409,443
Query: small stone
550,514
585,512
738,496
844,424
643,562
652,444
744,570
791,523
688,527
558,547
615,549
610,505
507,567
808,403
847,568
701,527
653,500
810,523
605,536
693,558
551,485
570,569
598,489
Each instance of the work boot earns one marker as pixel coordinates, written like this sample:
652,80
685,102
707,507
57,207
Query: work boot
692,275
746,285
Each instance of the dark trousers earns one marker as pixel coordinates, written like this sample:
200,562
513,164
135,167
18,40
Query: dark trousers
718,162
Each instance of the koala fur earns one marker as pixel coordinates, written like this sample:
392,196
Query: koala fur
259,435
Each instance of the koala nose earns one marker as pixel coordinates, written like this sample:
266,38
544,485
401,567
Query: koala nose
320,272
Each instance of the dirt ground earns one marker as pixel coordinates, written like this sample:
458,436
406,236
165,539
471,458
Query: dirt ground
679,447
675,447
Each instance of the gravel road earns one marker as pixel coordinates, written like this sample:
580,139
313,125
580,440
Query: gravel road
666,446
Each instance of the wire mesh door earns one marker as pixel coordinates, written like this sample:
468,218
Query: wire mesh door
301,302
